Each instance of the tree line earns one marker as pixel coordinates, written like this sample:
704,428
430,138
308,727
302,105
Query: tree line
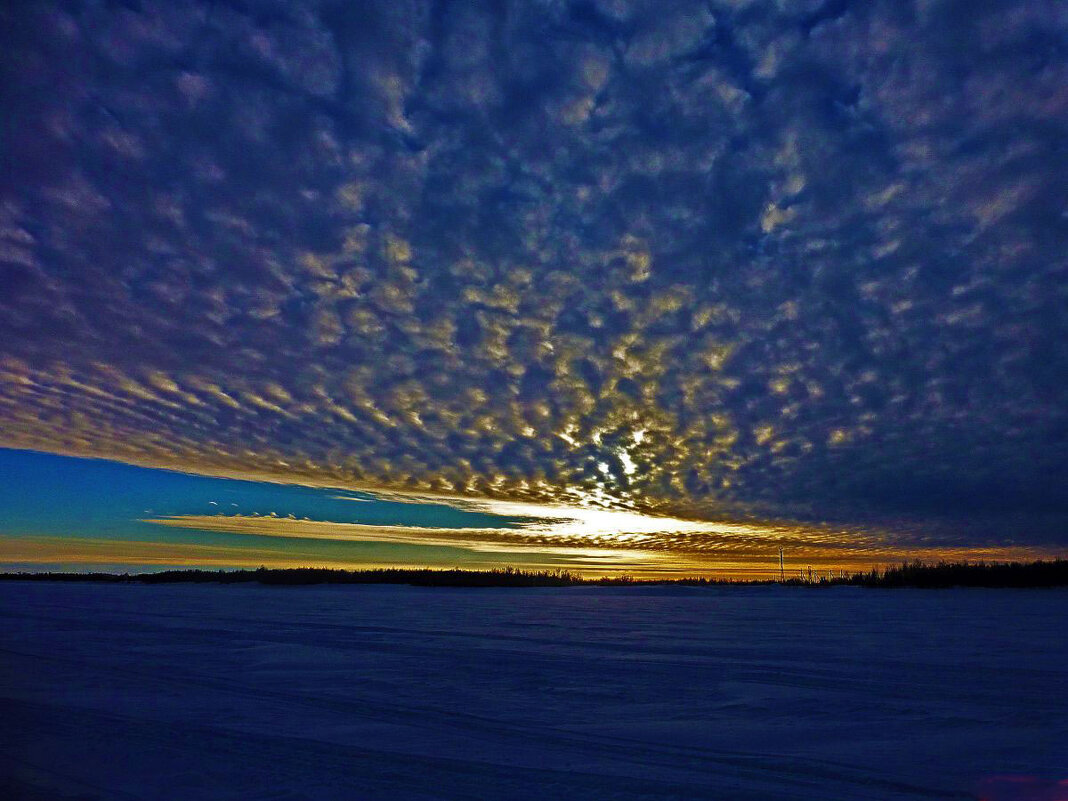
1051,573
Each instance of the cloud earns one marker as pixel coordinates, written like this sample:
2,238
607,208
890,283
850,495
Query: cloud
594,539
78,551
691,259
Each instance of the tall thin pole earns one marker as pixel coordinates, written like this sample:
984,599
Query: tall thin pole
782,569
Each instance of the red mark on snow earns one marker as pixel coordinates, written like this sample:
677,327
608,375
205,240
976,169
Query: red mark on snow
1022,788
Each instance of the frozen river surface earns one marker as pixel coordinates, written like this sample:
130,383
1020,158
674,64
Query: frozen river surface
248,692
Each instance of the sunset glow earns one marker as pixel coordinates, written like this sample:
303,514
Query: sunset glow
683,283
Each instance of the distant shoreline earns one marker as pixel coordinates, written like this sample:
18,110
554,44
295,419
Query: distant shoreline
943,575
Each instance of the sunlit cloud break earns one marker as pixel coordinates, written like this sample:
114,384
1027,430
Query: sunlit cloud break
599,539
551,527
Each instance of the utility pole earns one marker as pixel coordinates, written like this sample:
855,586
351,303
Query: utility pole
782,569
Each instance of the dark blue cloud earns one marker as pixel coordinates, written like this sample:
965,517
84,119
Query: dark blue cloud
805,257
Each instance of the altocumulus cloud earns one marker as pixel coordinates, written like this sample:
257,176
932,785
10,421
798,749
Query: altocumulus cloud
804,258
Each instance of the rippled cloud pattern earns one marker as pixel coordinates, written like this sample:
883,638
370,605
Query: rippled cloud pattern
716,260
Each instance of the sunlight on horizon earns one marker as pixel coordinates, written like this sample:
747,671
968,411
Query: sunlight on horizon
84,513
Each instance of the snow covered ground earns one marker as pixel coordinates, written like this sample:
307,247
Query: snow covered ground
248,692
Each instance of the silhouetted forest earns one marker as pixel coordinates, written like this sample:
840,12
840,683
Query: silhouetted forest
915,574
957,574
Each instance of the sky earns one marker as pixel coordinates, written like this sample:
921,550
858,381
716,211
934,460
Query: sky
739,273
